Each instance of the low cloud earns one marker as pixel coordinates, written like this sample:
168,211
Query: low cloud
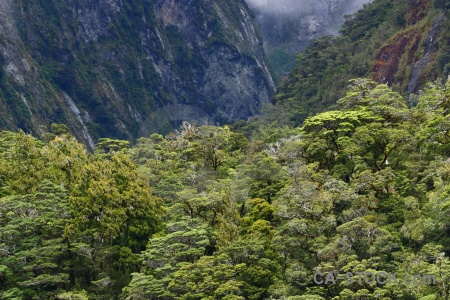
302,7
281,6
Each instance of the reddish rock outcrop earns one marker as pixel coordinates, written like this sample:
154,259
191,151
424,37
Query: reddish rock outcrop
388,59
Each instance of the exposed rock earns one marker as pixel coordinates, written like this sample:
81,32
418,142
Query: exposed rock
431,48
403,60
119,62
290,25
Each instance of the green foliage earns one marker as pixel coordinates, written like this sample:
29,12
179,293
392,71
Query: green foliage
210,213
364,22
106,145
379,41
48,251
112,215
361,189
32,248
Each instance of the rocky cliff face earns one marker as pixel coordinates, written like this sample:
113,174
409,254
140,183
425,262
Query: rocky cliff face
404,44
293,24
417,54
288,26
103,67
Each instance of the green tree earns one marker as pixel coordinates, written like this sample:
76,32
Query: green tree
183,242
34,256
112,215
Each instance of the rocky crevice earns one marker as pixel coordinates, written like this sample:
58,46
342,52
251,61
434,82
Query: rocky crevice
421,67
406,59
120,62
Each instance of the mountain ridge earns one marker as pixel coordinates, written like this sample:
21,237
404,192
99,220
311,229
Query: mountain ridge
399,42
102,67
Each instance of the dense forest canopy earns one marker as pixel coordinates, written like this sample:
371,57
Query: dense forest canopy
209,213
347,174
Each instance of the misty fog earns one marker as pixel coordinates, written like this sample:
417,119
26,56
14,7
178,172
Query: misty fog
288,26
302,7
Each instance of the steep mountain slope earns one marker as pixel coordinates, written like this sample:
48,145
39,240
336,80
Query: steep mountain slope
103,67
399,42
288,26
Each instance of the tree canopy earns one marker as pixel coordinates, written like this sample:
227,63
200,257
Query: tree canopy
208,213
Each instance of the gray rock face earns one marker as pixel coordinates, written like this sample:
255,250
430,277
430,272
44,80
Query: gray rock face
231,73
296,22
290,25
104,66
431,48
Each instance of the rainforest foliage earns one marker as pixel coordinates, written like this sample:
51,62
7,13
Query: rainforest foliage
209,213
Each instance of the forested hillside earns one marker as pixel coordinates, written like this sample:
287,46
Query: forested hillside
348,174
402,43
289,26
208,213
